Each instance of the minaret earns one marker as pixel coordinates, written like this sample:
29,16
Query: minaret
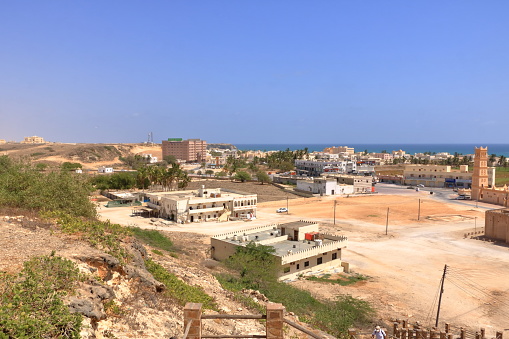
480,176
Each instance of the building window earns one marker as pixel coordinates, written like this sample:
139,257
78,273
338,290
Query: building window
306,263
334,256
286,269
319,261
298,266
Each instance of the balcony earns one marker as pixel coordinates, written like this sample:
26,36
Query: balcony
206,210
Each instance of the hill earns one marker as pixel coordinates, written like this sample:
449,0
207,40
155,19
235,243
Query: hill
90,156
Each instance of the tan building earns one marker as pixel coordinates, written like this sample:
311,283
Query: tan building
3,141
497,224
192,150
212,204
33,140
339,149
300,247
483,188
442,176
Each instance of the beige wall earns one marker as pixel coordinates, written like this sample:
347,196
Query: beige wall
497,224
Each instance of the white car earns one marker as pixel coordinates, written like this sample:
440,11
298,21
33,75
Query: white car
282,210
420,185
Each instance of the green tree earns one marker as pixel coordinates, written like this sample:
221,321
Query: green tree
242,176
256,264
492,159
263,177
209,172
170,159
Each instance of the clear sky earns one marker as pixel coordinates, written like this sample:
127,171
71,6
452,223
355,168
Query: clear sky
285,71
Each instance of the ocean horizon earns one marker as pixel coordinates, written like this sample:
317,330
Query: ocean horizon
463,149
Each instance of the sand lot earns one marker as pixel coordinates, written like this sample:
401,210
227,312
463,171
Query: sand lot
405,266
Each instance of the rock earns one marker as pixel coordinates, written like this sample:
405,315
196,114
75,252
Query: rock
87,308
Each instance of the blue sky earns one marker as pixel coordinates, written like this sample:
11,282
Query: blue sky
259,71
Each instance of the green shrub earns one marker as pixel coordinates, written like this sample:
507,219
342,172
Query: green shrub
153,238
25,186
343,280
101,234
177,289
31,304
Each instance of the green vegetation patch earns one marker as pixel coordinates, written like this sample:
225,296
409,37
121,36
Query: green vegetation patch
502,176
177,289
101,234
36,154
31,303
153,238
23,185
343,280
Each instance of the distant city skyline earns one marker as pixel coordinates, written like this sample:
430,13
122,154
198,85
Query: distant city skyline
266,72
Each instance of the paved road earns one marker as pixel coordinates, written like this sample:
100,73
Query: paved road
440,194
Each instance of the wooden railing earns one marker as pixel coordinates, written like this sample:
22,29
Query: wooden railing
274,323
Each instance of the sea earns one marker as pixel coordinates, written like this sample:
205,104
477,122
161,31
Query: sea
461,149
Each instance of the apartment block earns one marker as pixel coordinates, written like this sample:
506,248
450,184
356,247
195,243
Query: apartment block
191,150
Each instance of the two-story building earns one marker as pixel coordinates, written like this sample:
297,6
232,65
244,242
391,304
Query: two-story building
203,205
441,176
299,247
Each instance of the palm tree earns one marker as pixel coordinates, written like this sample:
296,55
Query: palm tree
502,161
142,176
492,159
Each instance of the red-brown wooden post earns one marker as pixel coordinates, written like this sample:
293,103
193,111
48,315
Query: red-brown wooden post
483,333
274,321
192,317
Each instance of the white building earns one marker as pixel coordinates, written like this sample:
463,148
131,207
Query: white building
104,169
211,204
324,186
315,168
300,247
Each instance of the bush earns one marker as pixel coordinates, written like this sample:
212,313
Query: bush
24,186
31,304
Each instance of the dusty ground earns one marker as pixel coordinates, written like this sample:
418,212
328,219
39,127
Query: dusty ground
405,266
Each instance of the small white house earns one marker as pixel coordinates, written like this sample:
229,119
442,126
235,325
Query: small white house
104,169
324,186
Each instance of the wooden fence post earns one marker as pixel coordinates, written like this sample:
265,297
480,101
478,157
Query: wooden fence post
499,335
274,321
483,333
192,320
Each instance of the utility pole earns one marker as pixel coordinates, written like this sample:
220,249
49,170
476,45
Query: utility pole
335,203
475,224
419,213
287,204
441,292
387,221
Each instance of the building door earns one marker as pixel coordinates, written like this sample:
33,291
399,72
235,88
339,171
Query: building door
192,218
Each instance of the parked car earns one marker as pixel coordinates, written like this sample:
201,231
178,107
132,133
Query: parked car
420,185
282,210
